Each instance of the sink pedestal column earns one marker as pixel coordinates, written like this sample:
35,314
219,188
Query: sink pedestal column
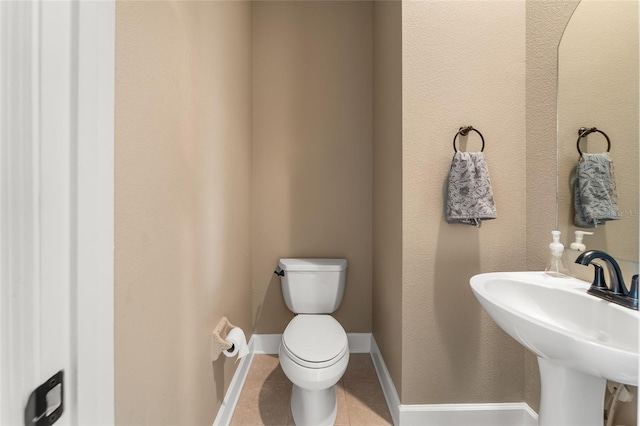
569,397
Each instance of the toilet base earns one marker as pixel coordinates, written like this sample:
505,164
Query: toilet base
314,407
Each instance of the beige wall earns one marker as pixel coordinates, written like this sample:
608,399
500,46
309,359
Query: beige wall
546,21
387,185
463,63
312,129
351,107
183,198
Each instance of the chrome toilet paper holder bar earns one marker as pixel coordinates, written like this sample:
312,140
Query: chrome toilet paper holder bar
218,341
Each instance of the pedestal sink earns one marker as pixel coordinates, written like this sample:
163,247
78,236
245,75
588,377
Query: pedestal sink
580,341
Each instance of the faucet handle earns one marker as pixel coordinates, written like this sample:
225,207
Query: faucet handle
599,281
633,293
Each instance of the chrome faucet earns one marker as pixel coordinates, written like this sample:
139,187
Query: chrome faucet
617,292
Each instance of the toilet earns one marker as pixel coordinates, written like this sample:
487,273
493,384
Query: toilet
314,351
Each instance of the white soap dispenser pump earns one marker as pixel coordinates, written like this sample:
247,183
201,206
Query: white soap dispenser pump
577,244
556,266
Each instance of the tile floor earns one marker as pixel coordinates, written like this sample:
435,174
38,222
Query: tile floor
265,397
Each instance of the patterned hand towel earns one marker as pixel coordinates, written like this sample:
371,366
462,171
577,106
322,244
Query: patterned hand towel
595,195
469,195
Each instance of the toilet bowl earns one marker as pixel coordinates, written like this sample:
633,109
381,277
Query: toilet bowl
314,354
314,351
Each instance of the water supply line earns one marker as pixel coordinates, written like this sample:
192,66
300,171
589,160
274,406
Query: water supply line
619,393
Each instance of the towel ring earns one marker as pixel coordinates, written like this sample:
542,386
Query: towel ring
583,131
464,131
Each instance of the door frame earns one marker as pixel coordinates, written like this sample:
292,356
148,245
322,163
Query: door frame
95,214
87,110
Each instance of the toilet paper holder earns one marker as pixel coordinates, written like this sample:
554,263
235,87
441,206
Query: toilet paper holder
218,342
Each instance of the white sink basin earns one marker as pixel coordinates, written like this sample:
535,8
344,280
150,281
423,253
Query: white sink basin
580,340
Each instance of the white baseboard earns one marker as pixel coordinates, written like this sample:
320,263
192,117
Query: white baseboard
359,343
225,413
503,414
265,343
388,388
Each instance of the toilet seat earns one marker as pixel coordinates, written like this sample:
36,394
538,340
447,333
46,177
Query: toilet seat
314,341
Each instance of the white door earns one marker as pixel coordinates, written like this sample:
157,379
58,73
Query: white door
56,209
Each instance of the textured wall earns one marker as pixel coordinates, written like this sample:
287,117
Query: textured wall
463,63
387,184
182,204
312,150
546,21
328,78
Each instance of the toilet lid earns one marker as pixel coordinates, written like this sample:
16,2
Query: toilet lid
315,338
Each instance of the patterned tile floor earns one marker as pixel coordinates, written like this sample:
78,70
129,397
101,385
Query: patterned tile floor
266,395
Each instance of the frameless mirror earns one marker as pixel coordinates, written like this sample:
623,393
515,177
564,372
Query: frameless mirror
598,87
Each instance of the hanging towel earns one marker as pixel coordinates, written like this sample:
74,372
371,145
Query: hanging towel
469,195
595,195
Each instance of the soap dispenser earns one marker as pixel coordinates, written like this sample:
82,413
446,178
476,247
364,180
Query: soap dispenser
578,244
556,266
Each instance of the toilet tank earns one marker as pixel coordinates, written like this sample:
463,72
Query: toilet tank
313,286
